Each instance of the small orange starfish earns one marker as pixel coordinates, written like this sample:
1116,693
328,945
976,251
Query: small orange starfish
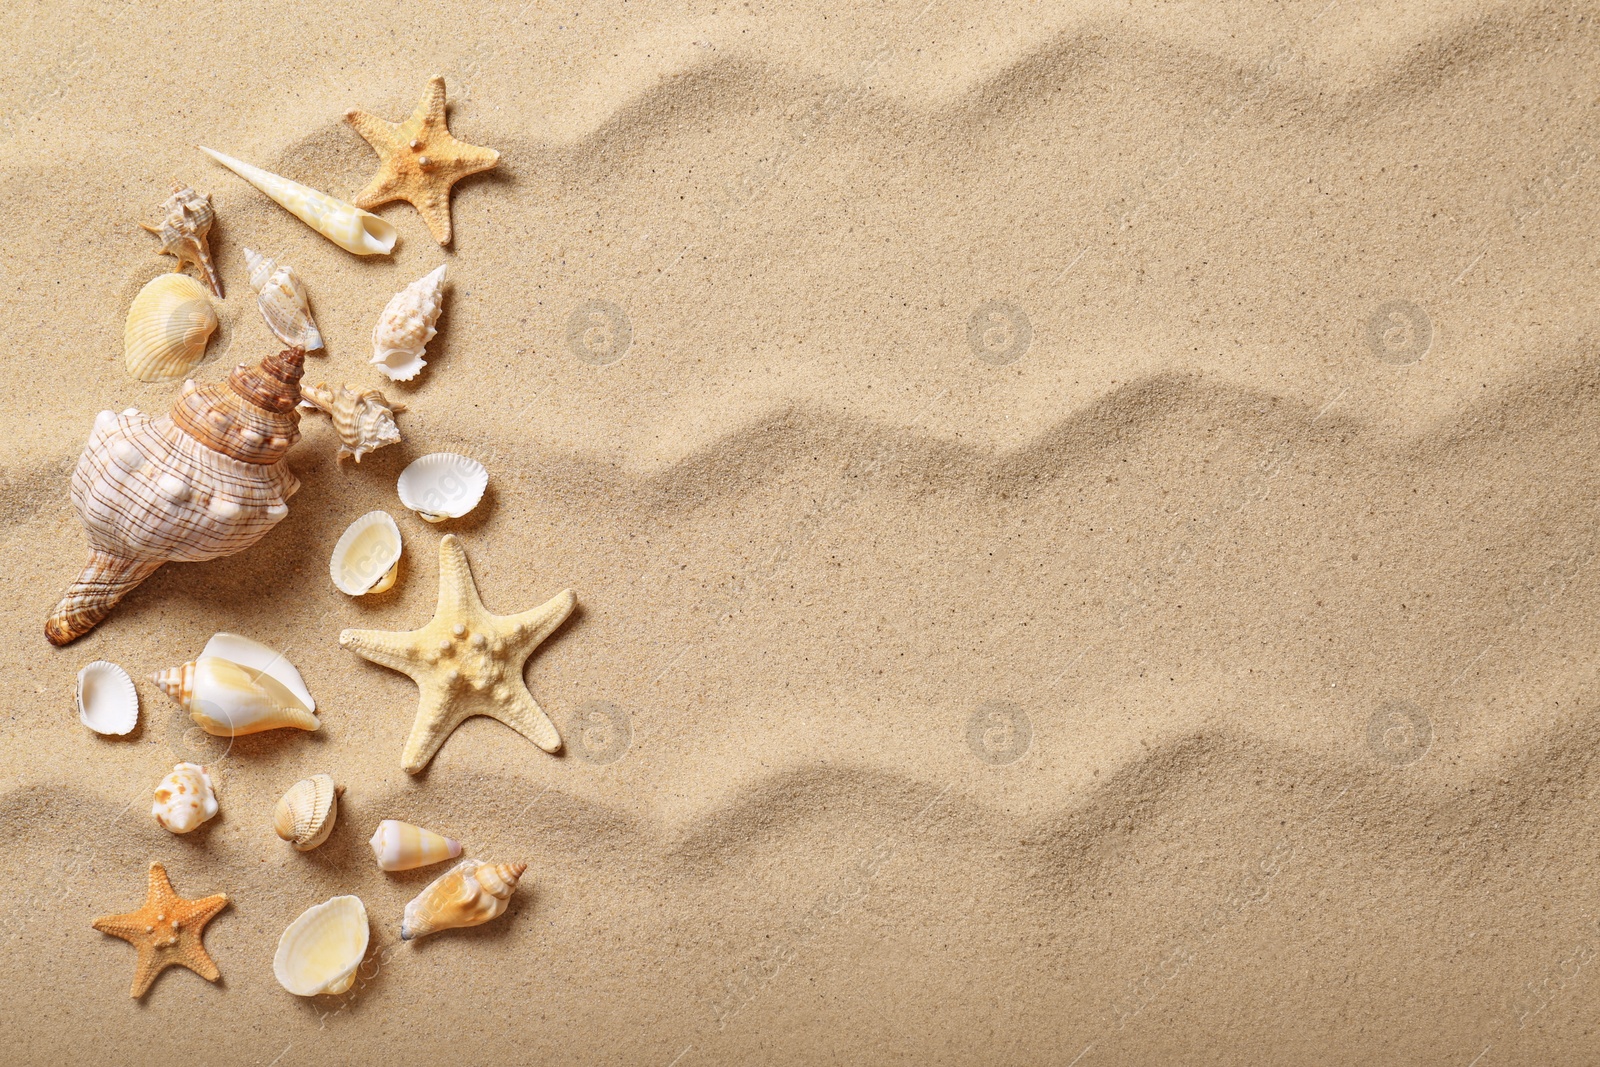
166,931
420,161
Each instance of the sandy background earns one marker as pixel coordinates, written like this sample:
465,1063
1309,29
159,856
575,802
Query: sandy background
1089,550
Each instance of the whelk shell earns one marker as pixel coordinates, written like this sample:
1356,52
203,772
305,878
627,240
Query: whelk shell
183,228
363,419
442,485
283,302
305,815
407,325
344,224
239,686
168,326
320,951
400,846
367,557
468,894
184,798
107,701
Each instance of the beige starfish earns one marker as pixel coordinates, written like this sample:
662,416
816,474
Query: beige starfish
466,661
166,931
420,161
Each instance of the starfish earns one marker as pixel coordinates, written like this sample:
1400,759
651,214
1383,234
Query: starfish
420,161
466,661
166,931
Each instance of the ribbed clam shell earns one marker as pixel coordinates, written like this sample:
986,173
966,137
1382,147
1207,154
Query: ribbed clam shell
168,326
400,846
238,687
442,485
283,302
183,228
367,557
363,419
307,812
407,325
320,951
184,799
108,703
468,894
346,225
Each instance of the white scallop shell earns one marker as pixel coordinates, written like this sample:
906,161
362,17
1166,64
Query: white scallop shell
184,798
168,326
320,951
344,224
407,325
442,485
367,557
107,701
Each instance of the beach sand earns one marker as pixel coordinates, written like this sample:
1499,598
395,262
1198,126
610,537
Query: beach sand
1082,517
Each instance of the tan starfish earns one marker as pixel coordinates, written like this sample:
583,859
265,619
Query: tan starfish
420,161
166,931
466,661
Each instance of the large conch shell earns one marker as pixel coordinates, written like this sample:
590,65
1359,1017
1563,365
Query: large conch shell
344,224
283,301
406,326
307,812
183,232
168,326
468,894
364,420
321,950
206,480
239,686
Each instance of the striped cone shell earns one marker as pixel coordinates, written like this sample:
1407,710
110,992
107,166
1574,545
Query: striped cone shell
400,846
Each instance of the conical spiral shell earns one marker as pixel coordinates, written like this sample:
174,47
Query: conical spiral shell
168,326
407,325
307,812
363,419
283,302
469,894
229,699
346,225
400,846
183,228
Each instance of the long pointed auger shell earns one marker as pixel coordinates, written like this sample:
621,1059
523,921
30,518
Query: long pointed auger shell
346,225
468,894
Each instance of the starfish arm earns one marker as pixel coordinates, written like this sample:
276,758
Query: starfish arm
381,190
200,962
127,927
523,714
438,714
382,135
144,972
436,213
465,159
458,593
430,109
206,908
533,626
389,649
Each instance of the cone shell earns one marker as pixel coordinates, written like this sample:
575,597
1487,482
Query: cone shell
442,485
283,302
468,894
364,420
320,951
184,799
367,557
238,687
305,815
108,703
407,325
346,225
400,846
168,326
183,228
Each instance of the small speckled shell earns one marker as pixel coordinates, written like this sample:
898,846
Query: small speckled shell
184,799
363,419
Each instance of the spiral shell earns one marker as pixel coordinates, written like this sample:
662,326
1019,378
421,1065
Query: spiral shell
400,846
407,325
168,326
183,228
363,419
468,894
320,951
184,799
283,302
305,815
238,687
346,225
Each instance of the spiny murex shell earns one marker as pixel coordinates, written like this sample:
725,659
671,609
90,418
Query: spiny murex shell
283,301
108,703
406,326
305,815
367,557
346,225
442,485
184,798
468,894
400,846
363,419
205,480
185,222
239,686
320,951
168,326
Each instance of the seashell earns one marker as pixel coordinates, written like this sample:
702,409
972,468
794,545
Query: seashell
183,232
205,480
184,798
307,812
168,326
442,485
406,326
320,951
107,701
283,301
344,224
239,686
367,557
400,846
363,420
468,894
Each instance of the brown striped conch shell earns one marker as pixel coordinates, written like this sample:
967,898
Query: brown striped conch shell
307,812
468,894
205,480
283,302
183,229
363,419
400,846
239,686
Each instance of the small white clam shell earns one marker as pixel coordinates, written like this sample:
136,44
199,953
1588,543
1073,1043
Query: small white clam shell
184,798
168,326
442,485
107,701
320,951
346,225
367,557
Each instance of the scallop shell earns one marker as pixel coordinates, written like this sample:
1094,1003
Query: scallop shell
320,951
367,557
183,229
107,701
364,420
468,894
283,301
344,224
239,686
305,815
168,326
184,798
400,846
406,326
442,485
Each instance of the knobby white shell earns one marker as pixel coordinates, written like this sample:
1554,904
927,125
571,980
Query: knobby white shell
367,557
239,686
283,302
307,812
107,701
320,951
184,798
168,326
400,846
407,325
468,894
346,225
442,485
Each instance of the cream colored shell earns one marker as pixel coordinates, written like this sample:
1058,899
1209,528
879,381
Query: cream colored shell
468,894
168,326
305,815
442,485
320,951
346,225
400,846
363,419
407,325
108,703
282,300
367,557
184,799
238,686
